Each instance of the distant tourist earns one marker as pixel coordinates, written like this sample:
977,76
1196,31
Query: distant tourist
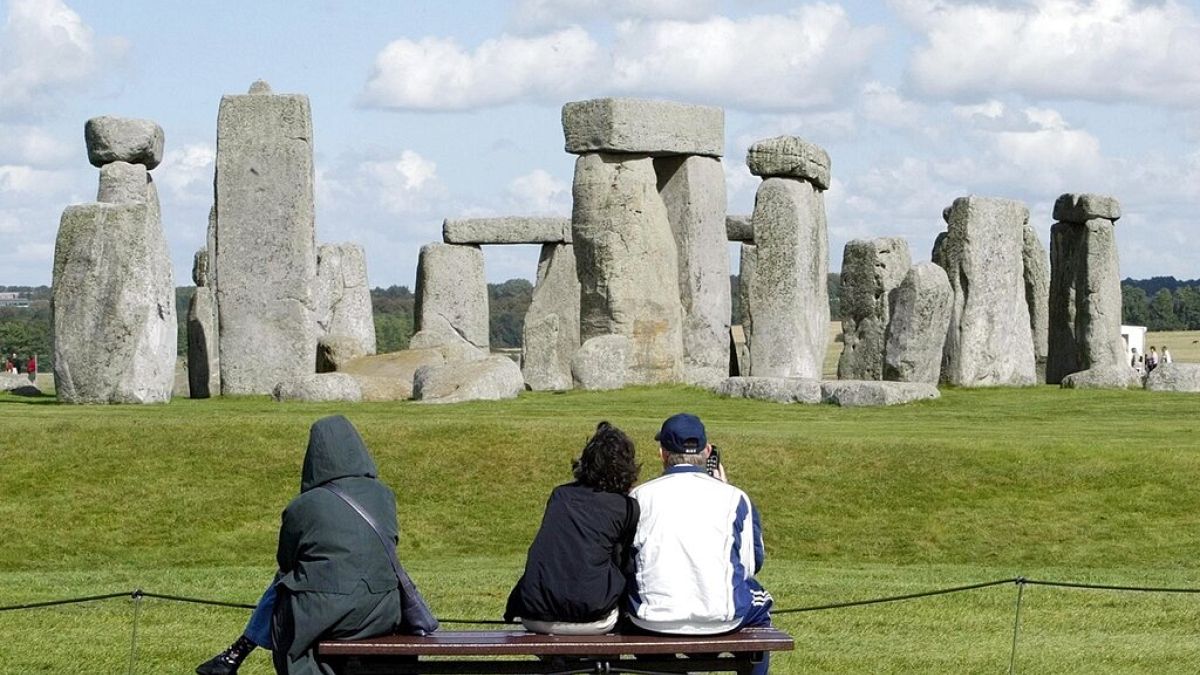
1151,360
31,367
574,578
1166,355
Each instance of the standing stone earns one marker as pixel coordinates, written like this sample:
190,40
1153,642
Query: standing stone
119,139
989,342
916,333
265,251
204,363
789,298
1085,287
627,263
551,333
747,264
113,301
122,182
693,189
871,271
344,298
1037,296
452,291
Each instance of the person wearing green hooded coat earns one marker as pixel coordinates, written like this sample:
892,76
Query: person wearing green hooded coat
335,577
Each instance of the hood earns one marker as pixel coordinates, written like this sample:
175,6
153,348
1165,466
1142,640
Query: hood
335,450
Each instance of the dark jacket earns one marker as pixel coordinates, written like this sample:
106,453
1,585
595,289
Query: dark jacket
323,544
575,571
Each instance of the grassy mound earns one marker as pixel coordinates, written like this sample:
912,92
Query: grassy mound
1041,482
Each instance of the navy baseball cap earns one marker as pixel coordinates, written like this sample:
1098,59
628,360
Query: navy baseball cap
682,433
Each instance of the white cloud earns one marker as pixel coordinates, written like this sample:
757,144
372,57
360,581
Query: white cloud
34,146
188,172
1097,50
539,193
543,14
405,185
46,49
438,74
26,181
806,58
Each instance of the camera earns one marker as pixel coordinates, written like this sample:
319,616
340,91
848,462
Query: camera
713,461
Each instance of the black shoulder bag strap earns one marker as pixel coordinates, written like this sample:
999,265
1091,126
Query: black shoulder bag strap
415,615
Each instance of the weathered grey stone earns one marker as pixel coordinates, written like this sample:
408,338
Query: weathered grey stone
789,157
121,139
989,342
1085,296
491,379
916,333
203,357
1080,208
200,275
739,352
871,271
507,230
122,182
939,245
318,387
1119,376
440,335
13,382
862,393
789,298
335,351
602,362
739,228
259,87
113,300
640,126
747,264
627,264
1037,297
1175,376
774,389
551,332
389,377
693,190
945,218
264,249
451,285
344,298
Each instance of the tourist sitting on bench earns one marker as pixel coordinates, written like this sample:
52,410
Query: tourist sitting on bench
698,544
574,576
336,578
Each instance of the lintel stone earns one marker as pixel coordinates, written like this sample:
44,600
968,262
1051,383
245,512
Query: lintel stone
1080,208
507,230
789,157
642,126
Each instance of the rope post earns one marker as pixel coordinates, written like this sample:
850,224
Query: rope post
1012,657
133,642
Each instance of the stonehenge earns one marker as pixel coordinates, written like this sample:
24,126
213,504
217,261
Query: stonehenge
872,270
1085,287
112,290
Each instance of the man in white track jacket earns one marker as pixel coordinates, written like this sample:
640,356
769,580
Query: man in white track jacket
698,544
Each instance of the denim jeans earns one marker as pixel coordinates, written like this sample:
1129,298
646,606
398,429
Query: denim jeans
258,629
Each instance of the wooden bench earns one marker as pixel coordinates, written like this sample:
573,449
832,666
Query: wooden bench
510,652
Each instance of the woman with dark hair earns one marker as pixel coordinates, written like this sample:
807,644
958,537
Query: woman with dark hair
574,577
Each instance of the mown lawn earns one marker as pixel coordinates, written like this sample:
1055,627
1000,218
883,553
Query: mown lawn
1041,482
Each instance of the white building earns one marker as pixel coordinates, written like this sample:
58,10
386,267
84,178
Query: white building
1134,338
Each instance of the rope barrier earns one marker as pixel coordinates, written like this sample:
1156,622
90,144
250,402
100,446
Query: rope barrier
896,598
1109,587
68,601
198,601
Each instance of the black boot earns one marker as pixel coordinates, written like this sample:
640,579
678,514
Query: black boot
227,662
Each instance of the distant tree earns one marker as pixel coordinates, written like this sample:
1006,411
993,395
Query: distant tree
1162,312
392,332
1187,301
1135,306
507,304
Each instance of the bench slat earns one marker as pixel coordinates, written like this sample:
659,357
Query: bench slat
521,643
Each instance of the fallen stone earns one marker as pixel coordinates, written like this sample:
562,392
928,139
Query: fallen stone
789,157
121,139
640,126
627,264
1175,377
864,393
264,212
739,228
451,286
507,230
491,379
872,269
389,377
10,382
122,182
1118,376
203,358
1080,208
344,298
551,330
602,363
774,389
334,351
916,333
442,337
989,342
318,387
1037,297
113,300
789,297
693,190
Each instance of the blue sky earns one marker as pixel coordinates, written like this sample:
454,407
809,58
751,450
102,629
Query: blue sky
428,110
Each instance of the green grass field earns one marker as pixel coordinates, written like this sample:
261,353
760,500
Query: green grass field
1042,482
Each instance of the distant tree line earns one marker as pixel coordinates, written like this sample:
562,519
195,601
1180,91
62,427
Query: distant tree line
1161,303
